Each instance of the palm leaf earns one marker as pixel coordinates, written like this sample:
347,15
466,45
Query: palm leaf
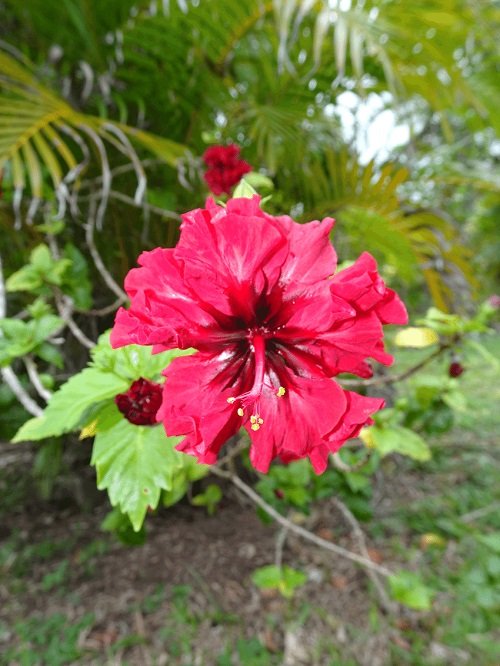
365,201
43,138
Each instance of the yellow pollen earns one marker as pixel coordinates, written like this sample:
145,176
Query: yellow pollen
240,411
255,426
253,419
281,392
231,400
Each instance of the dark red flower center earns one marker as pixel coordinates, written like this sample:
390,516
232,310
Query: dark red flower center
141,402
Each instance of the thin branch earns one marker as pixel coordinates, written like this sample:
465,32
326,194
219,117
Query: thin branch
64,306
10,378
342,466
280,544
99,263
102,312
392,379
360,538
35,379
168,214
479,513
8,375
297,529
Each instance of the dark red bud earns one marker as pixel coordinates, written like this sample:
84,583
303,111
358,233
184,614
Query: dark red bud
279,494
141,402
455,369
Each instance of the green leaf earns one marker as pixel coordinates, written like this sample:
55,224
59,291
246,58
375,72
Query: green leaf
67,406
133,361
26,278
285,579
134,463
396,439
119,524
210,498
244,189
76,281
408,589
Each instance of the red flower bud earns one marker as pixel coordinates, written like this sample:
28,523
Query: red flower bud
455,369
141,402
226,169
279,494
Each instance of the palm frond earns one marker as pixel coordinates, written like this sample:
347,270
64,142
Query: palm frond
44,139
365,201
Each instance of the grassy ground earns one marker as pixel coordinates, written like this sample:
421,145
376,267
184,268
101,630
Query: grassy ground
70,594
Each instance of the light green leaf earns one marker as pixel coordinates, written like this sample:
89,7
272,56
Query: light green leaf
408,589
244,189
285,579
210,498
396,439
134,463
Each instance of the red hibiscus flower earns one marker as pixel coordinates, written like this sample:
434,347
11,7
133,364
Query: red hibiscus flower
226,169
254,294
141,402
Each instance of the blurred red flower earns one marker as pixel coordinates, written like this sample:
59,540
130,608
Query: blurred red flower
455,369
226,169
141,402
254,294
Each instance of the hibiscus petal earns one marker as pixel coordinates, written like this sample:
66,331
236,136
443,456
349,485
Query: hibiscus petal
362,286
312,257
195,402
295,423
163,309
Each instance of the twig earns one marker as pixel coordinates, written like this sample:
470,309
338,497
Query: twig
35,379
102,312
10,378
479,513
8,375
342,466
280,544
64,306
168,214
360,538
94,253
392,379
297,529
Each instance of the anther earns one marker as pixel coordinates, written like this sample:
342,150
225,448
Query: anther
281,392
231,400
240,411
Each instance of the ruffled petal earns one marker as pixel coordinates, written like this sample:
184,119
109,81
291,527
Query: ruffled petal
195,402
295,423
362,286
163,310
311,257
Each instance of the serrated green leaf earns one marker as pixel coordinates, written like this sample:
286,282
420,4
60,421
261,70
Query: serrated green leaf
396,439
134,463
133,361
67,406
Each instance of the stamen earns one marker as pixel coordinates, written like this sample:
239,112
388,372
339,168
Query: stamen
281,391
240,411
231,400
